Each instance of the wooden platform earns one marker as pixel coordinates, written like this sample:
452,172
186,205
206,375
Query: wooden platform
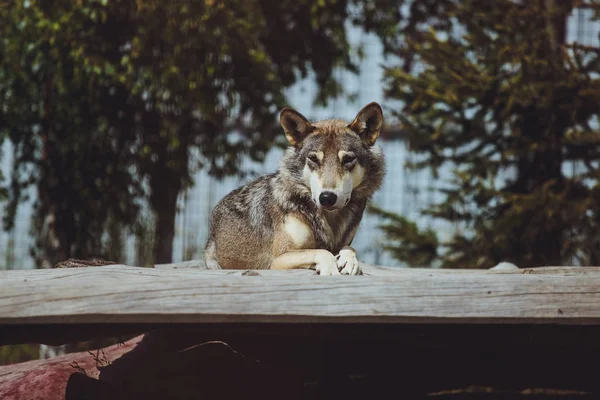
432,331
122,294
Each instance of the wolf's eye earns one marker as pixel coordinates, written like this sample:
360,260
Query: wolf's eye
313,158
348,160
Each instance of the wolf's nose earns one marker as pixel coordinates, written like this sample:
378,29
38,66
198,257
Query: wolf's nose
327,199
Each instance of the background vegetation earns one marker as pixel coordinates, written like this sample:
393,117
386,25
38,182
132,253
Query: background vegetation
112,106
512,109
106,102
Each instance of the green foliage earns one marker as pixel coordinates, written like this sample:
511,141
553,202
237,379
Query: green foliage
16,353
411,245
58,103
3,190
512,110
111,104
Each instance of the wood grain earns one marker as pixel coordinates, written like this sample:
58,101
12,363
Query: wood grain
122,294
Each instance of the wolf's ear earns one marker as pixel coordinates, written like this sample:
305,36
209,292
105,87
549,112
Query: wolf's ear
295,126
368,123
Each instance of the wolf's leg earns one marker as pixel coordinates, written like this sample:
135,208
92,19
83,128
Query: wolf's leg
347,261
210,256
323,261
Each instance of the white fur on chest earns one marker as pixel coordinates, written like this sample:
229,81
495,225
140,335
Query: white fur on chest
334,226
299,232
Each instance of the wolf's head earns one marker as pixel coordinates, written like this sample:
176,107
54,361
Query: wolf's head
334,158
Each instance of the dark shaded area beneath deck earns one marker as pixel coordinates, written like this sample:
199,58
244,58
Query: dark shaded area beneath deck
444,361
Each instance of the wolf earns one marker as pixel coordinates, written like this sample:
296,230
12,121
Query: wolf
306,214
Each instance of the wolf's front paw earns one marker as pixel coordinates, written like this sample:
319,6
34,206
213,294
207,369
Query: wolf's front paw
347,262
325,263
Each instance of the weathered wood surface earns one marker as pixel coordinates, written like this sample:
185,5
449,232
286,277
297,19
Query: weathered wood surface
49,379
121,294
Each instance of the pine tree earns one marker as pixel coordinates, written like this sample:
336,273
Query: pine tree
494,93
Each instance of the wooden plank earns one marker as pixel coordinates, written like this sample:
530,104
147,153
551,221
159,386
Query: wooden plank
49,379
121,294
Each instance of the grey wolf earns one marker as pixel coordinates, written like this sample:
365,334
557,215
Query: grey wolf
307,213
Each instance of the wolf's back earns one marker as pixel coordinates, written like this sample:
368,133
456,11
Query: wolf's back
241,227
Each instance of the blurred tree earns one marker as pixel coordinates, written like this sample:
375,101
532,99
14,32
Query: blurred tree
112,103
16,353
493,92
408,243
70,121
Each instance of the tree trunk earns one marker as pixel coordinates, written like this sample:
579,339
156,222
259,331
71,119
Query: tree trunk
165,206
51,227
543,164
167,176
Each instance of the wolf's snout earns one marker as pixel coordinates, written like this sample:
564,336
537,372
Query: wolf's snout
327,199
